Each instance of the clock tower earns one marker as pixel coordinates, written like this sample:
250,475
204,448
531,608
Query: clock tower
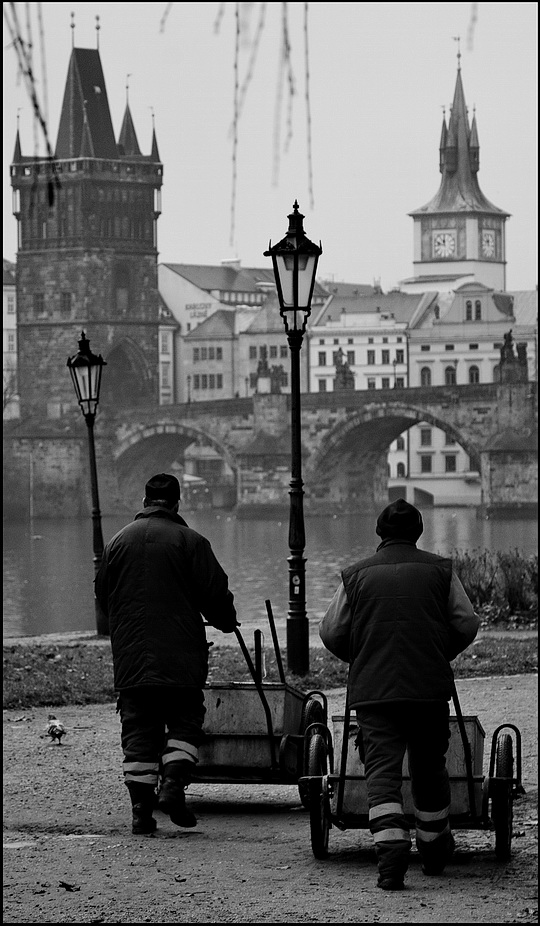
459,236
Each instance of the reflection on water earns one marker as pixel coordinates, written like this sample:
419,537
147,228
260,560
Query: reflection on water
48,566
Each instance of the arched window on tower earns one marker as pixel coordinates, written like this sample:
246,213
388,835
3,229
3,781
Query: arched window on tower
474,374
401,471
468,311
477,310
425,376
121,290
450,376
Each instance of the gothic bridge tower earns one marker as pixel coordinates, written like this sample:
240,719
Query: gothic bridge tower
459,235
87,251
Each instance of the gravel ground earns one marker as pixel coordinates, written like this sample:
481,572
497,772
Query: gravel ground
70,857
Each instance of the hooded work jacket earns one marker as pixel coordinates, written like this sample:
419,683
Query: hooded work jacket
402,617
156,579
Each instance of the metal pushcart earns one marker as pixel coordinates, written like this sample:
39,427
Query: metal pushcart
255,731
336,789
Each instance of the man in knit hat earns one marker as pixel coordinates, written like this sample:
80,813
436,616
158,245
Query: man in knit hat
398,618
157,581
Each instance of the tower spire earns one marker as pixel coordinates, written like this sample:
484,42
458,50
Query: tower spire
72,27
98,27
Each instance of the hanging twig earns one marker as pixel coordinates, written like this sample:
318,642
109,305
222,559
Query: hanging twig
308,107
235,122
164,17
252,60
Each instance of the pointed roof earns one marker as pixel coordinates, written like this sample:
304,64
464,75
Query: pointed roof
127,142
219,325
154,155
17,154
459,190
85,89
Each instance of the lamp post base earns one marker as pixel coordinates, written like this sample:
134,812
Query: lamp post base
298,645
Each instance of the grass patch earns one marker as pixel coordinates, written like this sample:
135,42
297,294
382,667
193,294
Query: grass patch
38,675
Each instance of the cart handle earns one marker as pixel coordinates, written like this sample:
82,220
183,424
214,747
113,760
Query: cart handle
262,696
275,640
466,751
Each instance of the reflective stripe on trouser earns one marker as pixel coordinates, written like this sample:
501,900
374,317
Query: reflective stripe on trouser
433,837
390,831
143,773
179,751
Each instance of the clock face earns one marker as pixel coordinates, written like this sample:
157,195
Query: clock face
488,243
444,244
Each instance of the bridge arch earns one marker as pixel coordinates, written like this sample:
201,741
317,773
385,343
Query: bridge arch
352,456
144,449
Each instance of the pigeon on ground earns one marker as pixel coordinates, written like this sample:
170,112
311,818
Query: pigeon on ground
55,729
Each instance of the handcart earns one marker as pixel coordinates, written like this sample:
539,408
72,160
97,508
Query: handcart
255,730
337,792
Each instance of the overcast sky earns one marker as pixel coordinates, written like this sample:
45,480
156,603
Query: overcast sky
379,77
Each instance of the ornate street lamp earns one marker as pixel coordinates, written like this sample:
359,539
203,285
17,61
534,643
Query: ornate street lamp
295,260
85,368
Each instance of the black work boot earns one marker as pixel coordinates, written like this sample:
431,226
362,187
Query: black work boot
172,801
142,804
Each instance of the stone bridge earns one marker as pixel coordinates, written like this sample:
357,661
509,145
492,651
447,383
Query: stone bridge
345,439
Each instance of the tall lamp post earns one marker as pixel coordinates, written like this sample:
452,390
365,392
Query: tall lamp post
294,260
85,368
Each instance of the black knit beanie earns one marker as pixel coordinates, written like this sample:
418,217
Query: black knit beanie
400,521
163,487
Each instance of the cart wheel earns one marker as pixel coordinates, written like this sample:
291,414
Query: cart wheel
501,802
312,712
319,820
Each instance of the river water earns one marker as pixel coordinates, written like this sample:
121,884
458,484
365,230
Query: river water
48,565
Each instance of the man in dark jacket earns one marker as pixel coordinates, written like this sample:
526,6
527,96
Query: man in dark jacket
398,618
157,580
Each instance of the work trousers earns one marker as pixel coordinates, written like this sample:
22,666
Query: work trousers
161,732
387,731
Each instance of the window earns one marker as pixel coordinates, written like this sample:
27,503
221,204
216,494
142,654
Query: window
385,382
322,358
450,463
474,375
425,347
204,354
350,341
401,470
65,304
477,310
371,358
219,353
39,304
450,376
263,352
425,437
336,341
371,383
399,340
350,358
468,311
165,343
449,347
196,355
473,346
385,356
11,343
425,463
400,443
196,381
273,352
400,356
11,305
425,376
212,381
283,351
321,341
166,375
322,385
385,340
211,353
370,340
252,353
449,440
400,382
219,380
204,381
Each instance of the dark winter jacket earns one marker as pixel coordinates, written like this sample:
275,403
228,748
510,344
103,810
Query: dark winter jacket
402,617
156,579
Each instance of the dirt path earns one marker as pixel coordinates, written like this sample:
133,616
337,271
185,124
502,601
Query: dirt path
69,856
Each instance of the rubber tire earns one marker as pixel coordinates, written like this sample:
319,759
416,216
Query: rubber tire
502,807
319,820
312,712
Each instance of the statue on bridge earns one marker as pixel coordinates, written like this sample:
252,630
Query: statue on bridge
344,378
513,369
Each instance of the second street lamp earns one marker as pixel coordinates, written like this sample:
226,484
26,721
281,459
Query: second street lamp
85,368
294,260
